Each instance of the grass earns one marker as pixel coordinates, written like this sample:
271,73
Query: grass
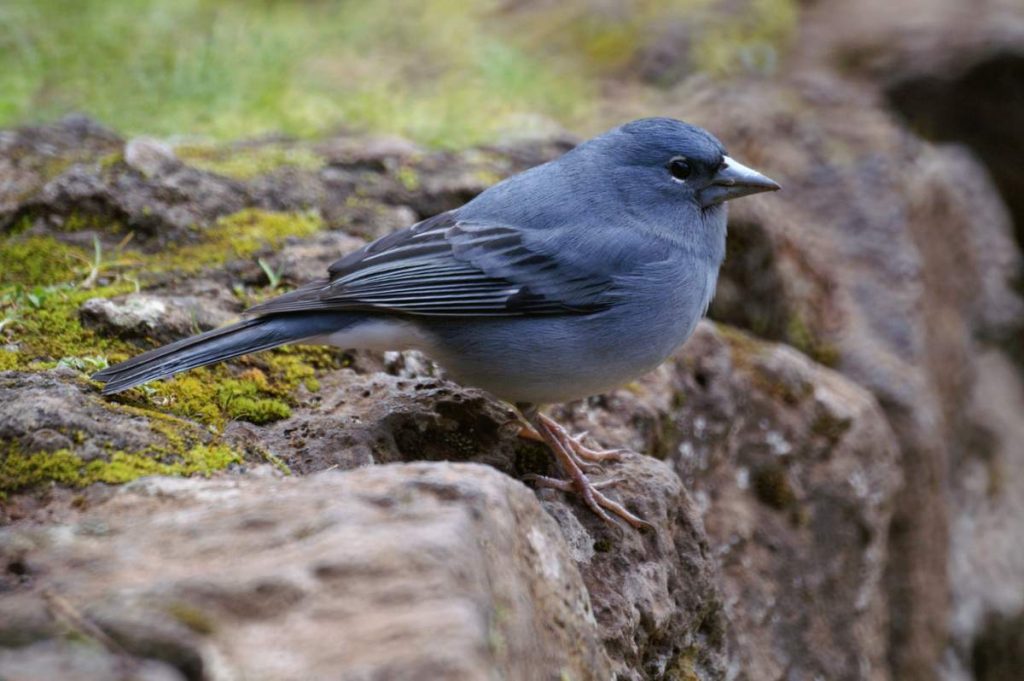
447,73
430,70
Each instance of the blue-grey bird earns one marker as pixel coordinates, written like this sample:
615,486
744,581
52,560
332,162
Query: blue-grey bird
558,283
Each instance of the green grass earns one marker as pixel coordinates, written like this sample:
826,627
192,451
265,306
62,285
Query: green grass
447,73
430,70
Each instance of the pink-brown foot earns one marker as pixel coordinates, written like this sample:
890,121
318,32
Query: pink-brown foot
560,443
583,452
528,432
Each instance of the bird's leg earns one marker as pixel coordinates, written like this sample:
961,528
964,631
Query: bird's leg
575,442
557,440
585,456
528,432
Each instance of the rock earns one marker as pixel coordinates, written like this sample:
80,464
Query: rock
149,156
998,649
31,156
876,260
141,316
434,571
987,538
952,70
165,207
43,412
302,262
377,153
357,420
789,541
655,597
82,662
794,471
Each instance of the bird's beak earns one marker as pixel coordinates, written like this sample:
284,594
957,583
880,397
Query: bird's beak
734,180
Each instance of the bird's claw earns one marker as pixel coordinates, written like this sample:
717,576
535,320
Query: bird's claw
565,448
580,450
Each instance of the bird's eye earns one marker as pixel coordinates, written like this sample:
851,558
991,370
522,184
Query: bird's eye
680,168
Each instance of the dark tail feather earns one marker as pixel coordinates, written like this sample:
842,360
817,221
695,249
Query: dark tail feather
251,335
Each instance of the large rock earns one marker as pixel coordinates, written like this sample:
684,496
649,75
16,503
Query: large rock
953,70
891,260
795,472
655,594
427,571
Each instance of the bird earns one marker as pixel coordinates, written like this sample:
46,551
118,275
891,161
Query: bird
561,282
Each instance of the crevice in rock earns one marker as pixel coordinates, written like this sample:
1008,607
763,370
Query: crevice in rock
751,293
998,651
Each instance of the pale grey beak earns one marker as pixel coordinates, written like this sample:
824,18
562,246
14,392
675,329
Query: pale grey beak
734,180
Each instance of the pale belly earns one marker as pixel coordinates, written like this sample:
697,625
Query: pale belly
556,359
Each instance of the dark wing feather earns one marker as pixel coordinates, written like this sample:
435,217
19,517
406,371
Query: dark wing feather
447,267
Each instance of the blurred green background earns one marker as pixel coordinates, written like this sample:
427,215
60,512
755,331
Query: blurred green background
443,72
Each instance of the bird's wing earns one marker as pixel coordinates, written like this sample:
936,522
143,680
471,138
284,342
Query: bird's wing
450,267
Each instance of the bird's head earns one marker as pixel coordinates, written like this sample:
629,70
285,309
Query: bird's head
654,158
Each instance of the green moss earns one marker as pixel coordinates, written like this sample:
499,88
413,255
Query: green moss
18,471
801,337
37,261
744,347
751,41
191,395
192,617
248,162
262,393
290,366
684,667
409,178
8,360
238,236
245,399
40,299
745,351
111,160
49,329
79,222
830,426
22,471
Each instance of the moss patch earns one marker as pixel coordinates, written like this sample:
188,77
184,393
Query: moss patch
22,471
8,360
246,163
237,236
40,291
32,261
747,41
246,399
801,337
263,392
44,325
42,287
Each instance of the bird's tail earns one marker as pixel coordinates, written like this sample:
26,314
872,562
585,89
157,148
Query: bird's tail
251,335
